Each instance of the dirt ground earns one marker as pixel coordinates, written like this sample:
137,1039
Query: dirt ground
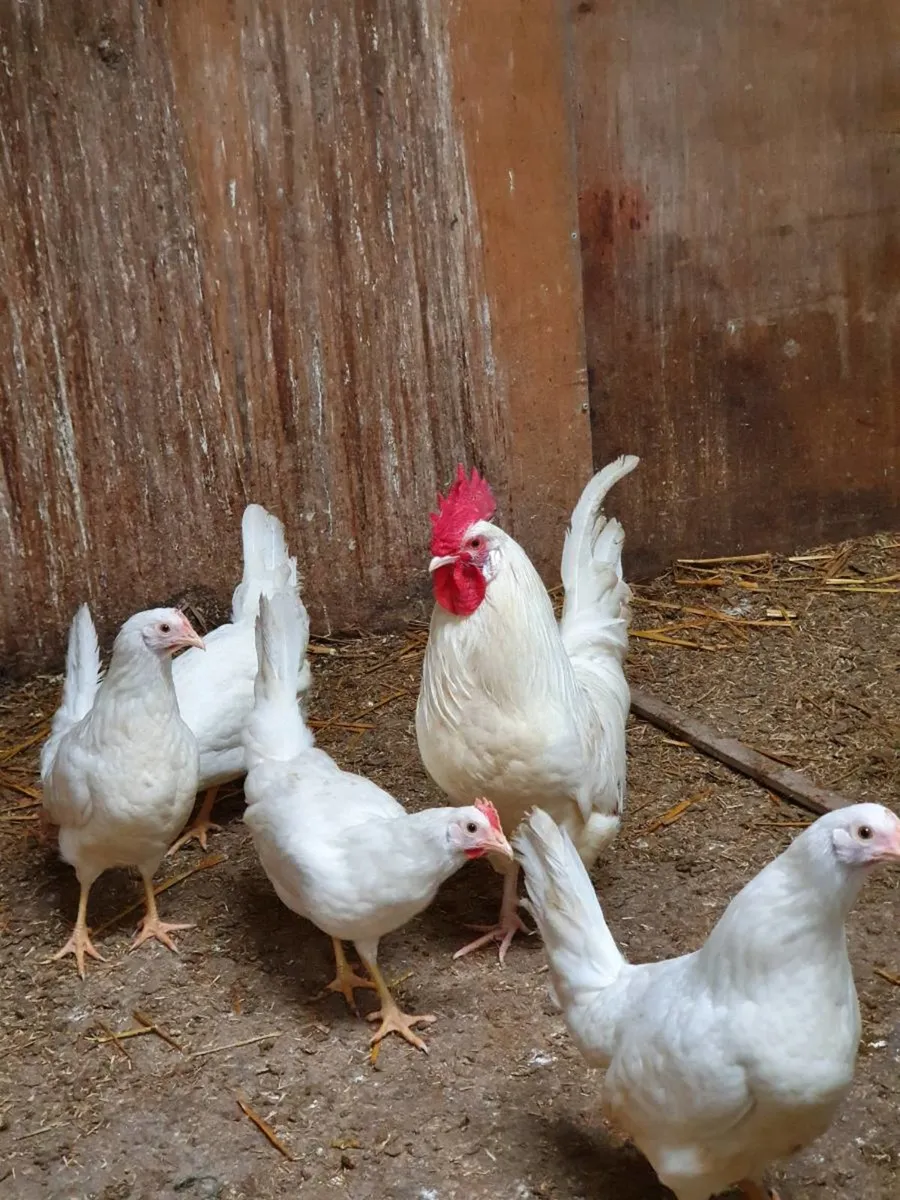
502,1107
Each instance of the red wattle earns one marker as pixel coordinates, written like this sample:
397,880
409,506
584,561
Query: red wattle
459,587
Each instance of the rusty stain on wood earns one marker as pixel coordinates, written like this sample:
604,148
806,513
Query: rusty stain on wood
738,219
273,251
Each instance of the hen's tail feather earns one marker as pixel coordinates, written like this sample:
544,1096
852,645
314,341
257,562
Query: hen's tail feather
267,568
583,956
265,550
595,611
276,731
80,686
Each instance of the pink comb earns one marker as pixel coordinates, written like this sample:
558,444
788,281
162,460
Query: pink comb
467,501
485,806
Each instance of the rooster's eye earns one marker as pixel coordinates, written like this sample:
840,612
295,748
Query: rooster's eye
476,543
864,832
471,827
165,628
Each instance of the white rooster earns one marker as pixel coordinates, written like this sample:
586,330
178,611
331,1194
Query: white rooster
119,769
512,706
721,1061
215,688
339,850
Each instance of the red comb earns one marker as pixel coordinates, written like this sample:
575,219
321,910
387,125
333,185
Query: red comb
485,806
468,500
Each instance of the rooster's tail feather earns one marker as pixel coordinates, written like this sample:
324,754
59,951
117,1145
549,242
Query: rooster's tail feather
595,612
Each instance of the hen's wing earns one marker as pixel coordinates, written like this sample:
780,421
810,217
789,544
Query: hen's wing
72,779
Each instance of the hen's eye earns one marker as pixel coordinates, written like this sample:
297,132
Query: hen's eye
471,827
476,543
864,832
165,627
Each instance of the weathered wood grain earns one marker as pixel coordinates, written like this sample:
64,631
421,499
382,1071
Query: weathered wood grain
740,225
269,250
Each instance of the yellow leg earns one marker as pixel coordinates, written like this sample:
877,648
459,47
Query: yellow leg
345,978
201,824
393,1020
80,943
151,925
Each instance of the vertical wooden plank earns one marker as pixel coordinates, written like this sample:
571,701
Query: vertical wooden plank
512,84
738,217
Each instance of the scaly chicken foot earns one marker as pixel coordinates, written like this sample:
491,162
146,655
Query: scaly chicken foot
393,1019
346,979
152,926
80,942
509,924
201,824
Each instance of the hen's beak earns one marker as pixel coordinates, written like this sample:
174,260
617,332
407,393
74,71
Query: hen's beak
443,560
189,637
498,845
891,852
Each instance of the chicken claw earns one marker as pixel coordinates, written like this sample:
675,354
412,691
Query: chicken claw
393,1020
509,924
346,979
200,826
152,926
80,942
503,932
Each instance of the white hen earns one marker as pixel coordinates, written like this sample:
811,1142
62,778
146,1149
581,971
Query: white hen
721,1061
339,850
215,688
119,768
514,706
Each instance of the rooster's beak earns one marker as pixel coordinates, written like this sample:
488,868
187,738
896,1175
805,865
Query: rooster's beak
444,560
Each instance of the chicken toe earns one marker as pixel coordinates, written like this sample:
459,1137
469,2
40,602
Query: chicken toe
200,826
346,979
152,926
393,1019
80,942
509,924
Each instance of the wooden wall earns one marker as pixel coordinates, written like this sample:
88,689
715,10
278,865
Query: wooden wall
310,254
740,223
313,253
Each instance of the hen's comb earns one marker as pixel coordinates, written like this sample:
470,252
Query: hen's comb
485,806
468,500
